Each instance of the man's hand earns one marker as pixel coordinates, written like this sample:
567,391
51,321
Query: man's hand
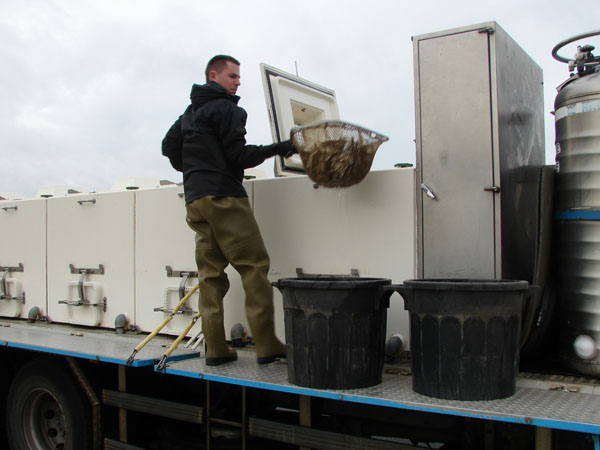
286,149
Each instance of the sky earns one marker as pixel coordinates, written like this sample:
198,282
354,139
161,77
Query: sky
88,89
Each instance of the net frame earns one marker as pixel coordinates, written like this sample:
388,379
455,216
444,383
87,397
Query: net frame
335,153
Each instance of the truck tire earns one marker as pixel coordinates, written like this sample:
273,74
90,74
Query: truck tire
46,409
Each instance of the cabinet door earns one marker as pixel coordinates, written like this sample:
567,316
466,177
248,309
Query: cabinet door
22,257
91,232
455,154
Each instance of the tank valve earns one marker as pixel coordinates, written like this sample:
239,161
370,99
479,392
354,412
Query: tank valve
585,347
34,314
121,324
239,335
394,346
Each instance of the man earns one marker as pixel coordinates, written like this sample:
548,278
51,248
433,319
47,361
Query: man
207,143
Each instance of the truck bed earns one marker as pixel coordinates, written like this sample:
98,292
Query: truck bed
543,400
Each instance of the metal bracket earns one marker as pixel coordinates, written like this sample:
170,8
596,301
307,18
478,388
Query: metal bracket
300,274
3,284
494,189
184,275
82,301
182,310
19,268
98,271
488,30
180,273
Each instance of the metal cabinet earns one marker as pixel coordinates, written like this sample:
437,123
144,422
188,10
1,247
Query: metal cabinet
480,146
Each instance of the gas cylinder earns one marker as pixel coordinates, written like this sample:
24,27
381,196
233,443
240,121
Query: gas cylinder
577,209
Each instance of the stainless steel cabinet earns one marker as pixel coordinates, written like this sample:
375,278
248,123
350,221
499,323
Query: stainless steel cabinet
480,144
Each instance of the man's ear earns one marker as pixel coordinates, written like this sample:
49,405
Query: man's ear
212,75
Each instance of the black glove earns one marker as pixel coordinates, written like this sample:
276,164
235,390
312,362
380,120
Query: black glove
286,149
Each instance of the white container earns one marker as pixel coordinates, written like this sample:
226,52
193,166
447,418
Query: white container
93,233
163,239
23,255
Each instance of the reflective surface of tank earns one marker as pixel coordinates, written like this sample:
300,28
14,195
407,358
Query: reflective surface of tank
577,206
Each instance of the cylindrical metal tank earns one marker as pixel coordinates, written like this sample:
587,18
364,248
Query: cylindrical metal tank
577,115
577,206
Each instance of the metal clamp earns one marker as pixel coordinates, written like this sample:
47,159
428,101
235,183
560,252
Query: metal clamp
4,295
180,273
185,275
183,310
98,271
82,301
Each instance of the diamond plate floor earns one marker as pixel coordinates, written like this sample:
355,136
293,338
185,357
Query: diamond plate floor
88,343
568,403
543,405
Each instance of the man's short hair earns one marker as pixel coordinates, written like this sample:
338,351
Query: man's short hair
218,63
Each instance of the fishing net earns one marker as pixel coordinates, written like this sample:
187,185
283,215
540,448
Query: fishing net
335,153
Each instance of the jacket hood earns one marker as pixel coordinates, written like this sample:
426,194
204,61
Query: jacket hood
202,93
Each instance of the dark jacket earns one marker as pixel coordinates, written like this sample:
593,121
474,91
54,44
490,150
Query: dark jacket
207,143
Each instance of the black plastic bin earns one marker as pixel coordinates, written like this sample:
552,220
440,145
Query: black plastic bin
464,336
335,330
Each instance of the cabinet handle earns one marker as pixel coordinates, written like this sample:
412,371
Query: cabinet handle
494,189
428,192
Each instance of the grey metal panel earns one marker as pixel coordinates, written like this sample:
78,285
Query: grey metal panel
520,152
455,156
479,118
95,344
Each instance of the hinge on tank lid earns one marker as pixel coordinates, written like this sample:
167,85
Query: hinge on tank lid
300,274
488,30
4,295
82,301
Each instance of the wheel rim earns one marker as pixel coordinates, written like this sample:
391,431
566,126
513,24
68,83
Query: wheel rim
44,425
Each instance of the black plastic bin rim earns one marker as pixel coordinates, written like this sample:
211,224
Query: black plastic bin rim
466,284
331,282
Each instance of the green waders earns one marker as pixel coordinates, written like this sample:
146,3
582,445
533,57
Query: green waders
227,233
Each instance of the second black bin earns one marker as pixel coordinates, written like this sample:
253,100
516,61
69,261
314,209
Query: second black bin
464,336
335,330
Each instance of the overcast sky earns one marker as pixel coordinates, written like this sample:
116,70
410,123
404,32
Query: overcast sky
89,88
